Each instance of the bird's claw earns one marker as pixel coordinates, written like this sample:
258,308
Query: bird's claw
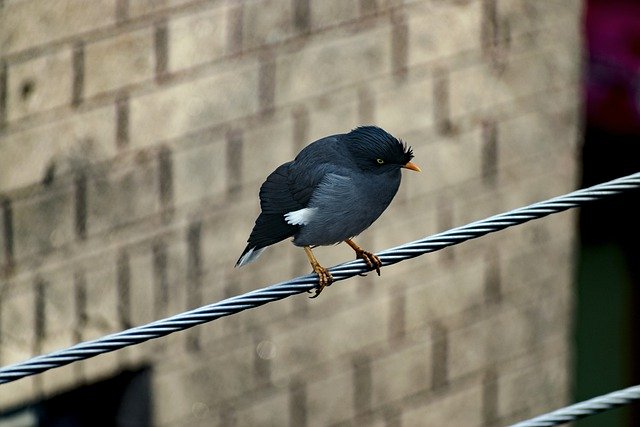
372,260
324,279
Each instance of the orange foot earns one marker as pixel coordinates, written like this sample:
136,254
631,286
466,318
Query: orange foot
370,259
325,279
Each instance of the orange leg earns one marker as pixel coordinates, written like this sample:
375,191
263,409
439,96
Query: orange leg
325,278
370,259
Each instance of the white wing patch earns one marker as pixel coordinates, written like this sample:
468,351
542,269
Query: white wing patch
300,217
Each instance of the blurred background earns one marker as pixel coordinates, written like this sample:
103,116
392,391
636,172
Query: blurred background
607,326
135,134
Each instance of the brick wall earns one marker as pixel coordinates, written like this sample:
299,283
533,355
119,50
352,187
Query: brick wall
134,135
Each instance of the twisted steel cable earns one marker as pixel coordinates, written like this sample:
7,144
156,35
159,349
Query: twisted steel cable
584,409
208,313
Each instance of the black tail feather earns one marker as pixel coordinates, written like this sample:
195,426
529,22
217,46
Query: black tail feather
268,230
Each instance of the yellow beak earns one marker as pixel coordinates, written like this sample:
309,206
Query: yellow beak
412,166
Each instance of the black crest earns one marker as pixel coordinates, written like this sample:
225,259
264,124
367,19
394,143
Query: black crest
371,142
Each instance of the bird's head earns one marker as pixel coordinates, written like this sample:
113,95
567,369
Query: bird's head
375,150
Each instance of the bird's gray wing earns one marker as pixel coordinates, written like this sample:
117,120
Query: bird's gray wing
334,212
335,186
319,159
291,186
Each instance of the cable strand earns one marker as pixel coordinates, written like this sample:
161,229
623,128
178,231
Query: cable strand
584,409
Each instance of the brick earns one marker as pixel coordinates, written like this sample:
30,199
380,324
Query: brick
436,157
72,141
161,48
102,297
165,181
176,271
562,32
402,222
329,13
18,308
234,143
175,302
122,196
480,88
489,153
405,108
142,287
4,253
102,316
193,105
330,400
59,310
178,414
29,23
468,349
60,327
483,342
549,312
194,268
119,61
476,202
332,63
266,22
269,411
220,228
520,16
366,105
446,294
456,408
266,147
138,304
539,387
197,39
200,172
538,177
530,135
105,366
39,84
535,170
520,269
43,222
331,114
139,8
60,380
443,29
17,393
224,376
399,47
358,329
401,374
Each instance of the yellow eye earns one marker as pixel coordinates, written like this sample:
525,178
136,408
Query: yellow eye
380,161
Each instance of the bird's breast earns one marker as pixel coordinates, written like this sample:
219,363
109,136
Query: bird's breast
346,208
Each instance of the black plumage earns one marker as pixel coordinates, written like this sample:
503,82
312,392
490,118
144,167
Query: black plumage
334,189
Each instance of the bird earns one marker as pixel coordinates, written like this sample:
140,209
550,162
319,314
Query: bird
333,190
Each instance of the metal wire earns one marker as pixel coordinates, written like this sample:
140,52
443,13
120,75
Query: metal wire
302,284
584,409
